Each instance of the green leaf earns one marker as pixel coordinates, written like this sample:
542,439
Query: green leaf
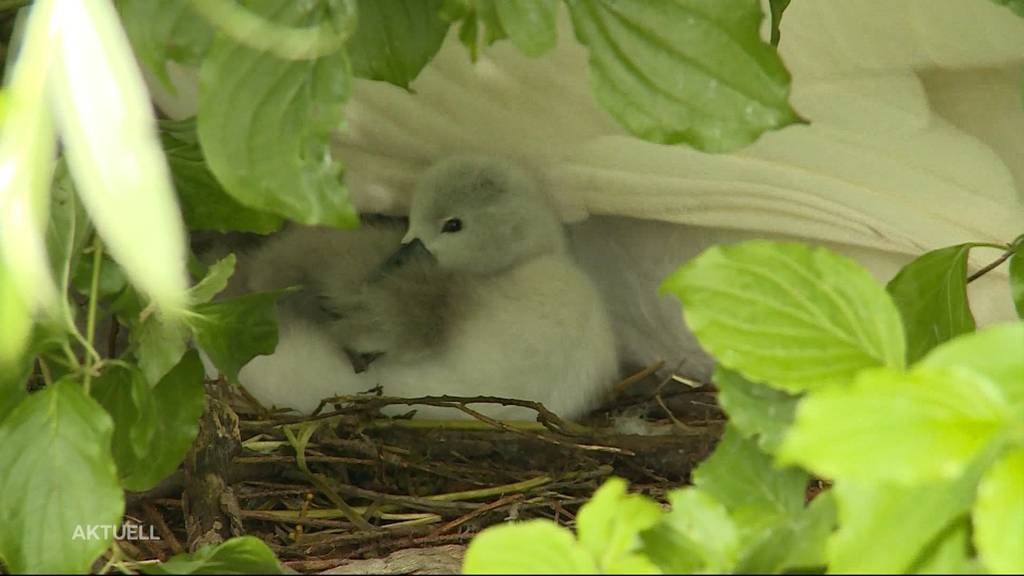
27,149
180,398
755,409
791,316
66,237
999,515
1016,5
241,555
159,342
884,528
777,8
893,426
530,547
395,39
267,136
745,481
931,294
127,201
531,25
111,280
703,522
799,543
12,382
125,395
204,203
994,353
609,524
949,554
234,331
162,30
1017,275
687,71
57,478
215,281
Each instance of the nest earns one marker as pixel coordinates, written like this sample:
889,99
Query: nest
350,491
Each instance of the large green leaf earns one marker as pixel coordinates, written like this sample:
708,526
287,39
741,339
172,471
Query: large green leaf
125,395
12,382
949,554
999,515
531,547
159,342
700,519
931,294
531,25
204,203
794,317
798,543
236,330
266,135
609,524
162,30
894,426
1017,277
66,236
395,39
179,398
997,353
215,281
104,118
884,528
57,479
693,71
755,409
743,478
241,555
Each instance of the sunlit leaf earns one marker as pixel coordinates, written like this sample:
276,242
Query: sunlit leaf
999,515
884,528
395,39
755,409
949,554
701,519
995,353
893,426
266,136
110,141
685,71
796,544
241,555
609,524
27,147
931,294
57,479
214,282
531,547
794,317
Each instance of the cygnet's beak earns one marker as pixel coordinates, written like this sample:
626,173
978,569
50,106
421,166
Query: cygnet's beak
407,252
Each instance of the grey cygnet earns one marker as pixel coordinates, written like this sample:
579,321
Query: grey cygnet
480,297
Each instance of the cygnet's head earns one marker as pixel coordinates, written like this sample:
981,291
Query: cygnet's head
482,215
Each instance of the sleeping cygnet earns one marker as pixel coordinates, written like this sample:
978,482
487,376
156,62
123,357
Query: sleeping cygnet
480,298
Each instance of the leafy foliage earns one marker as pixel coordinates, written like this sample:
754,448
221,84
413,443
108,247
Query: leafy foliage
395,39
788,315
931,293
647,69
58,477
242,555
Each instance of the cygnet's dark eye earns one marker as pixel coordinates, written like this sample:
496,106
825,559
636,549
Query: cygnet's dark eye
451,225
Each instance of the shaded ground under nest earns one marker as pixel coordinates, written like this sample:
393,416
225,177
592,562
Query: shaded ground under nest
369,494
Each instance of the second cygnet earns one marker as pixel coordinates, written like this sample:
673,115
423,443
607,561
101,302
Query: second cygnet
480,297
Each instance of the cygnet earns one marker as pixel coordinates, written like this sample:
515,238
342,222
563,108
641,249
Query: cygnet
479,298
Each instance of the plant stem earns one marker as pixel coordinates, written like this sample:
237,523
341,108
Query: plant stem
45,371
90,323
995,264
